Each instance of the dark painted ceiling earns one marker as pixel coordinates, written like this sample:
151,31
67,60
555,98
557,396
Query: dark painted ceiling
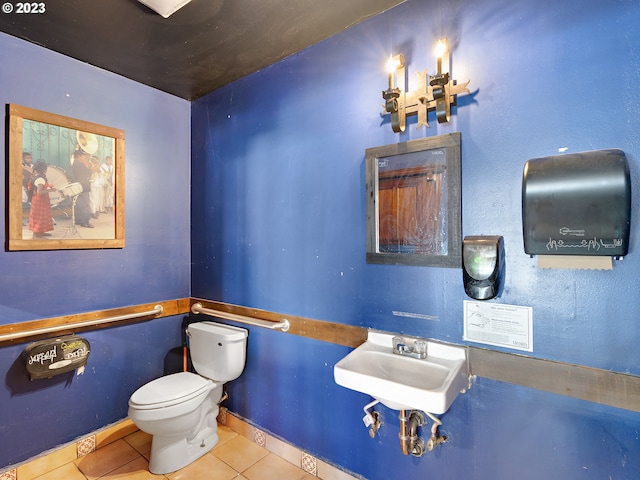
201,47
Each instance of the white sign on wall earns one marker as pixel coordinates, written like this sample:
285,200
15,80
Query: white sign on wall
508,326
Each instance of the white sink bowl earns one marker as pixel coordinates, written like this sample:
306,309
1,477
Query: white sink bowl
402,382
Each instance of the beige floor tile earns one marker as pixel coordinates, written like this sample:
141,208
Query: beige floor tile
224,435
124,448
66,472
106,459
50,462
273,467
207,467
240,426
139,440
240,453
115,432
135,470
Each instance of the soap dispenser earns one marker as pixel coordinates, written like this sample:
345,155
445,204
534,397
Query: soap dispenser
483,266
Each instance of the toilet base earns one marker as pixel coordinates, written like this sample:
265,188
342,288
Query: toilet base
169,454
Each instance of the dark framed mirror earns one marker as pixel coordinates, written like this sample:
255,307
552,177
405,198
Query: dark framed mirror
414,202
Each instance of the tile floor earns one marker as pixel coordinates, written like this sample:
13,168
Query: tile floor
234,457
121,451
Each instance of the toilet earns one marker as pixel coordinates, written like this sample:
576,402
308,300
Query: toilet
180,410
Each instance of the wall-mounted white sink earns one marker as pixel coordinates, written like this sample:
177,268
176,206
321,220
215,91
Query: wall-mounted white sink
402,382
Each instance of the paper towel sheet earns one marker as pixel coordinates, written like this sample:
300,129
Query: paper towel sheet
575,262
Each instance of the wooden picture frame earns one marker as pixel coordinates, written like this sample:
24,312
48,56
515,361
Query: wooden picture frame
84,180
413,202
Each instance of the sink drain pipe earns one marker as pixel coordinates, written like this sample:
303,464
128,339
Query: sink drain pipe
410,442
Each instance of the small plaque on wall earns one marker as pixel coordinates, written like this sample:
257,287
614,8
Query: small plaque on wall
47,358
501,325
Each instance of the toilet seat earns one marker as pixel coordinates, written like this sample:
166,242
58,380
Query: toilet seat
170,390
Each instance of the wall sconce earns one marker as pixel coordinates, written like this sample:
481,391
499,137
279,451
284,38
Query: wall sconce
438,94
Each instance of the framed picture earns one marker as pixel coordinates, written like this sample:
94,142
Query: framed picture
66,182
414,202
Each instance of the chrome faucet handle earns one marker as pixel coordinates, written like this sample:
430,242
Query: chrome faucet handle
420,347
417,350
400,346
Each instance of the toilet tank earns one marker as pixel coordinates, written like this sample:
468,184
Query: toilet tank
218,351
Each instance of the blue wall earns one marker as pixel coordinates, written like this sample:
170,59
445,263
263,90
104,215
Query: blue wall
278,223
154,265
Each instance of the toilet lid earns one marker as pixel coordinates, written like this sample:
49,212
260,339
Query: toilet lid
169,390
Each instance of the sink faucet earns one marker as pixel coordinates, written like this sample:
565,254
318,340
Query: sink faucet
418,350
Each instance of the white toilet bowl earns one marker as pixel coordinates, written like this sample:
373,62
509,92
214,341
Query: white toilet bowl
180,410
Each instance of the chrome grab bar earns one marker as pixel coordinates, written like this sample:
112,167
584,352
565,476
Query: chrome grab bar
258,322
157,310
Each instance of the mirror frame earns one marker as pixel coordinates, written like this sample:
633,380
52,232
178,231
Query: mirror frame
450,144
17,114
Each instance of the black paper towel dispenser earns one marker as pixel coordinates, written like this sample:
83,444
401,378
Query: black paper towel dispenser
577,204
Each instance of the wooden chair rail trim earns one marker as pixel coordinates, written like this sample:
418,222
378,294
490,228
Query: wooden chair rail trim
576,381
30,330
338,333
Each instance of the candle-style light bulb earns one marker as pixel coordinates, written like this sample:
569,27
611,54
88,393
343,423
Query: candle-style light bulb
441,49
391,68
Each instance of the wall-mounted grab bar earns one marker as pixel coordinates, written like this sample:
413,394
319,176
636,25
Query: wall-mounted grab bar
283,325
157,310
